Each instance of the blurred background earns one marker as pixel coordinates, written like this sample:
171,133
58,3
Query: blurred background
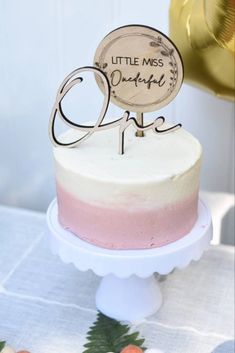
41,42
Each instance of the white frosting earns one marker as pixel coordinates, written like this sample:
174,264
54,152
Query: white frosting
155,170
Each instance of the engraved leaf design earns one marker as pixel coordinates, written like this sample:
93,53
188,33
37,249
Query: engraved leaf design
154,44
165,53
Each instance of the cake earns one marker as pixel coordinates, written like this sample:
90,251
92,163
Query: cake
145,198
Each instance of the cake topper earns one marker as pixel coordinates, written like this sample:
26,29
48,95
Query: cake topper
137,68
143,67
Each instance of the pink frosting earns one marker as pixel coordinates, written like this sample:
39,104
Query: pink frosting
125,228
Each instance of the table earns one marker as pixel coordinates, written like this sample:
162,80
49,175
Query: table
47,306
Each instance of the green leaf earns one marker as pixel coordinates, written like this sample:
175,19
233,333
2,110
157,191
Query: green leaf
2,345
108,335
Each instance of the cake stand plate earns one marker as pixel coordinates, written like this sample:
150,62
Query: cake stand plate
129,290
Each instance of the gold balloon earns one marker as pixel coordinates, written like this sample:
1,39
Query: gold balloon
204,32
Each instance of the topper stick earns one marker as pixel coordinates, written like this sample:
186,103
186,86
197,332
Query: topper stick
140,120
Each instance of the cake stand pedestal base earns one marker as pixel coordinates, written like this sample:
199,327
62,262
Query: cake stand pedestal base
139,297
129,291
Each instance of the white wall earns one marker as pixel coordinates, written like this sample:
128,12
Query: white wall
41,42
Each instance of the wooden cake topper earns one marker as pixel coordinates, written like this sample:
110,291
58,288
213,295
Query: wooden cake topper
139,69
143,66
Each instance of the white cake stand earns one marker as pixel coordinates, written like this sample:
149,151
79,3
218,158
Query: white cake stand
129,290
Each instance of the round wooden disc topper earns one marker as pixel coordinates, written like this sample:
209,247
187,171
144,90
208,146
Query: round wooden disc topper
143,66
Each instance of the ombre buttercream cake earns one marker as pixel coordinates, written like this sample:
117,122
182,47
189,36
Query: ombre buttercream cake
145,198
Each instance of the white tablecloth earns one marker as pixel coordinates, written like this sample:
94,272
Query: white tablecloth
47,306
